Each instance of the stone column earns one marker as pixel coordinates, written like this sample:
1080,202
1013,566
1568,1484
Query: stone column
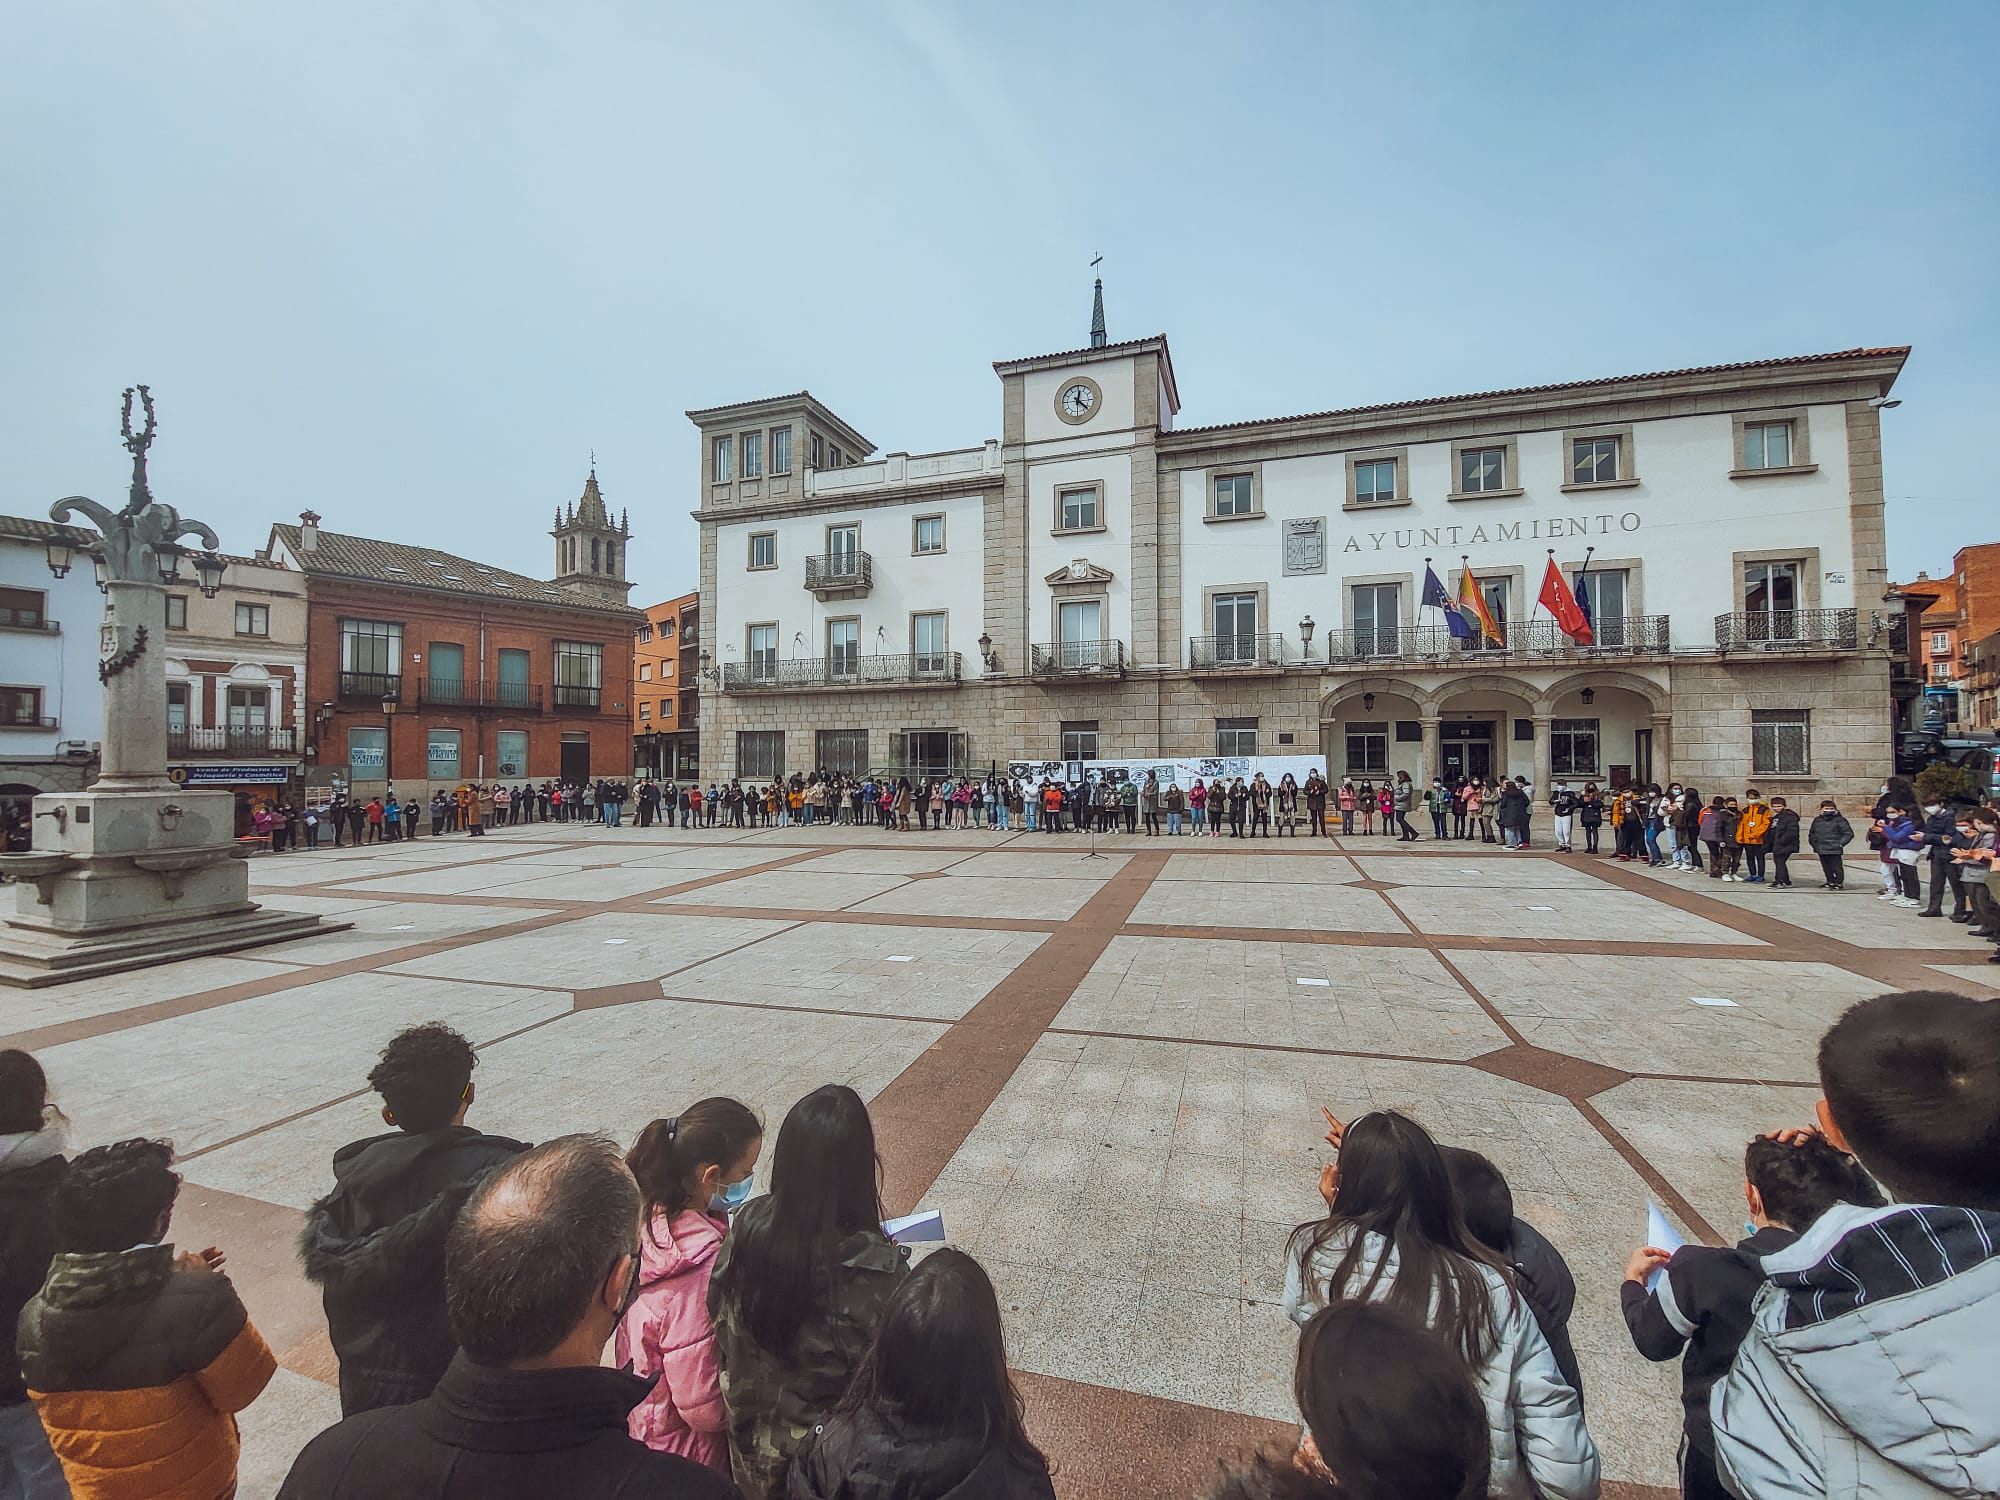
1433,753
135,722
1663,748
1543,724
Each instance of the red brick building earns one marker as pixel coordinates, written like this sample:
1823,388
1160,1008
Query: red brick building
425,669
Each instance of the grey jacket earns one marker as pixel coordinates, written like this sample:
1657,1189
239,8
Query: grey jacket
1868,1368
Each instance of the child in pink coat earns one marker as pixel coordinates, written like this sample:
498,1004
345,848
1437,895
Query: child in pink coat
693,1171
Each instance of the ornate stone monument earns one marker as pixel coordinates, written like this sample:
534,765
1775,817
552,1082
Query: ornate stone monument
136,870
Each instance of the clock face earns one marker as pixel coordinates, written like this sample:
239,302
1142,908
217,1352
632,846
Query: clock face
1078,399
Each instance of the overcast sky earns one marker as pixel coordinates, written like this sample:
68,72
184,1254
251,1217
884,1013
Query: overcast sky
408,264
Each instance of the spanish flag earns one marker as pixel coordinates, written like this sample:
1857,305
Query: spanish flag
1472,603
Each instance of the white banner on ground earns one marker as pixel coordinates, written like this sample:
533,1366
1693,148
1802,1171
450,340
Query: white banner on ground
1169,769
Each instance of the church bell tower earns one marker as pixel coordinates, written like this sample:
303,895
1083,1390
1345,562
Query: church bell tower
590,546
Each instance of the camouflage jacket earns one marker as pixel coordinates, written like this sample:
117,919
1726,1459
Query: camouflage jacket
775,1397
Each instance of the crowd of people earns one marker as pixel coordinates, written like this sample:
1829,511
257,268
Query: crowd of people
770,1338
349,821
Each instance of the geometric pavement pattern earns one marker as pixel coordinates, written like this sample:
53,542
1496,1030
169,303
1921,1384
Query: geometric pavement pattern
1106,1072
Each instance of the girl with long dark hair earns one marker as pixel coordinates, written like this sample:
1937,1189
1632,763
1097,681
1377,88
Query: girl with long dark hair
932,1411
693,1171
32,1166
799,1287
1394,1235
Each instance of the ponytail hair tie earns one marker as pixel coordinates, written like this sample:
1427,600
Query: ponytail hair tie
673,1125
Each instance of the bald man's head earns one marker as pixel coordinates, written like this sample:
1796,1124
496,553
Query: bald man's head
533,1246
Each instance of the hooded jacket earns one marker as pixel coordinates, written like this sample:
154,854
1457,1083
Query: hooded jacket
1830,833
31,1167
375,1247
776,1396
1867,1370
1540,1444
490,1434
666,1332
1784,835
870,1455
137,1367
1549,1287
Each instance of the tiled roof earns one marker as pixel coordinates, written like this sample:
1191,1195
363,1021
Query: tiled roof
26,529
1101,351
363,558
1900,351
703,411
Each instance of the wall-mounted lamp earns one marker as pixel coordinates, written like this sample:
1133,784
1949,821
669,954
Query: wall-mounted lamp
1306,634
1368,702
986,656
1589,696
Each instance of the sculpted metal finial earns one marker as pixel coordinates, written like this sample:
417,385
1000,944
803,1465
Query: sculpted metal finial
136,444
143,537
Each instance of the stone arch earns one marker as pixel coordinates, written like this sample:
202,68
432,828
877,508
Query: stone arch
1505,684
1385,686
249,671
1658,699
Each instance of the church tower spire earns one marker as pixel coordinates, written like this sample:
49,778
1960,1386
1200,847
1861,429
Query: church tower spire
1097,338
590,546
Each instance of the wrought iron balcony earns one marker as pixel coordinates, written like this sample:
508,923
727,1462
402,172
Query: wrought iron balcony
461,692
1788,630
231,739
840,573
1362,647
1235,653
1077,659
819,673
571,695
375,685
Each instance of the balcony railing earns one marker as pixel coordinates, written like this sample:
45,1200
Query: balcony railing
571,695
376,685
1787,630
1077,659
1614,635
459,692
1229,653
841,573
231,739
819,672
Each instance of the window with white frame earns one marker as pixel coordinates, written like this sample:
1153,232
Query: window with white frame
781,450
1767,445
818,449
643,634
1377,619
1367,748
1235,619
1781,742
645,712
763,652
843,648
927,643
1940,642
645,671
753,455
1235,495
725,460
253,619
1079,739
1235,736
1940,671
763,549
1602,593
1494,591
1771,600
1481,470
1375,481
1573,747
1076,509
177,708
579,667
928,534
1593,460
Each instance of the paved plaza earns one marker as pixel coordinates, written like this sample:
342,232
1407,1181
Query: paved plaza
1107,1072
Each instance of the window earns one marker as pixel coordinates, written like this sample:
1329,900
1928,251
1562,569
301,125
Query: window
843,648
666,630
645,712
781,450
763,653
645,671
511,752
643,634
927,644
1771,601
253,619
818,451
1940,672
1234,495
177,708
1495,591
367,753
763,549
1076,509
177,612
667,670
666,709
760,753
21,707
1079,631
1602,595
1593,460
1079,739
1781,742
1767,445
441,754
753,455
833,454
1377,615
929,534
843,750
1367,748
371,658
513,684
1235,736
27,609
1940,642
1481,470
1573,747
843,549
579,674
1375,481
248,708
1235,617
725,460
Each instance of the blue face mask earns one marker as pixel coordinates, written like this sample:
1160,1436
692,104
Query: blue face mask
734,1196
1749,1228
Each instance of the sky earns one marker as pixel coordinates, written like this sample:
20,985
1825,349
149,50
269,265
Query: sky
409,266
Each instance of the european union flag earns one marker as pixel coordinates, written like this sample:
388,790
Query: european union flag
1583,599
1434,594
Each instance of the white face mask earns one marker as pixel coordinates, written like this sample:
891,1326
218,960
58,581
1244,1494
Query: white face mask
1931,809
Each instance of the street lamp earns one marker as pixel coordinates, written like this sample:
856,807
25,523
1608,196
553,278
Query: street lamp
60,553
209,567
167,559
388,737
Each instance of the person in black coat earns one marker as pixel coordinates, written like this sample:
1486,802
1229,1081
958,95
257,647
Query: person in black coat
1781,841
1941,838
375,1244
1542,1274
932,1413
537,1270
32,1167
1829,837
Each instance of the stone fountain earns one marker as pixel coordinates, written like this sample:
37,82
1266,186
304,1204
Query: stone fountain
136,870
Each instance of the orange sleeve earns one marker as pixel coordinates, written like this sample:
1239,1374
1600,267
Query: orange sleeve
238,1375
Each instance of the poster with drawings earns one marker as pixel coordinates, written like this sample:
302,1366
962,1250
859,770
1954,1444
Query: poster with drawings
1169,769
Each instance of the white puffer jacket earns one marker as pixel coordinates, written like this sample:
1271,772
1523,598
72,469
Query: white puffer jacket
1540,1443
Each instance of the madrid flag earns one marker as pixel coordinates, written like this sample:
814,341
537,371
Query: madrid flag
1557,599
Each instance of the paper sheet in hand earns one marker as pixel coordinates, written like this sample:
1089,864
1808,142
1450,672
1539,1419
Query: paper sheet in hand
1661,1235
915,1229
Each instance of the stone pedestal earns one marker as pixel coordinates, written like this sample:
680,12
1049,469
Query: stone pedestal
129,878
